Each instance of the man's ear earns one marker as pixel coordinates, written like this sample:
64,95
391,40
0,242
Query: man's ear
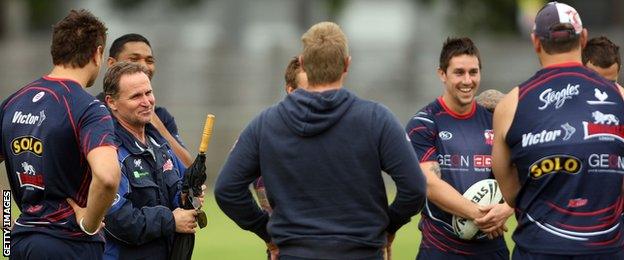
583,38
537,45
99,54
110,61
347,64
110,102
441,75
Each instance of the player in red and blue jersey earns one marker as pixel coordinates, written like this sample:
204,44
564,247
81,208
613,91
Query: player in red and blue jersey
453,139
558,149
59,150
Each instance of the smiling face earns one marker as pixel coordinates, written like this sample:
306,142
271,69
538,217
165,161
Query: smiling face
461,82
138,52
134,104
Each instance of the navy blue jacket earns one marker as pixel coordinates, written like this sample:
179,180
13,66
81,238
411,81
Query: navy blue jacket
321,157
140,222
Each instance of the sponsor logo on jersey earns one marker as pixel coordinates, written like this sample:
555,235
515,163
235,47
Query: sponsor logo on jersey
482,161
601,98
547,136
29,177
489,136
575,203
605,163
168,166
569,131
544,136
138,164
27,144
38,96
555,164
28,119
454,160
558,98
138,174
445,135
605,127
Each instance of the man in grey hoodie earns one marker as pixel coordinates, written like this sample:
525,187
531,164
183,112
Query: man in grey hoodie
321,152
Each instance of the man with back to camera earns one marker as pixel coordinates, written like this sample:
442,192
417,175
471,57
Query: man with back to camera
603,56
557,136
455,125
146,213
60,151
134,47
321,152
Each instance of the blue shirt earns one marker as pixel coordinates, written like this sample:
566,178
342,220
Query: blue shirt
567,143
462,146
48,128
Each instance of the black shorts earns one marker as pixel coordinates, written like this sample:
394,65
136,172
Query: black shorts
428,253
42,246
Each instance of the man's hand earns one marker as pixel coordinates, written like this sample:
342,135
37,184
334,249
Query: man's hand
273,250
388,247
185,220
495,217
80,214
497,233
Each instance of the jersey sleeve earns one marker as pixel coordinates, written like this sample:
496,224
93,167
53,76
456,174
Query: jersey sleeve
422,132
96,128
169,121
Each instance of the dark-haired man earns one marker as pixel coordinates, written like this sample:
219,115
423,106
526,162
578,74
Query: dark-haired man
557,143
603,56
58,143
453,138
294,77
134,47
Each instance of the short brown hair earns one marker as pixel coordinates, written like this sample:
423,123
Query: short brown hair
290,76
562,44
114,73
325,53
602,52
76,38
453,47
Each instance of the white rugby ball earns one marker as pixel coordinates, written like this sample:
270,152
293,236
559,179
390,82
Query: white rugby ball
484,192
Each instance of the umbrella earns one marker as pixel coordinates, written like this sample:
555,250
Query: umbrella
194,178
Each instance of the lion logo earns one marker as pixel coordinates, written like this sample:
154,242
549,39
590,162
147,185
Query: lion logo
607,119
28,169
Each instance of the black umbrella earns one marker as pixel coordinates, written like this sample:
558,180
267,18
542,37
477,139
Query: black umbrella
194,178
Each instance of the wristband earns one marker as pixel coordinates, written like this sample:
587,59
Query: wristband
85,230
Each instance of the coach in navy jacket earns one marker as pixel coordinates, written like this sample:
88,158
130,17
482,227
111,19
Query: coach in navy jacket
321,152
145,215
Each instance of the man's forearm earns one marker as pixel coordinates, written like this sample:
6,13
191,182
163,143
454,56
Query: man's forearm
105,177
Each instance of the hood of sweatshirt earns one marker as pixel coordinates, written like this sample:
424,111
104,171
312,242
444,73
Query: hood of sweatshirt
311,113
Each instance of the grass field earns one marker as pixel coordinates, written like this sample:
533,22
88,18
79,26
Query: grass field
224,240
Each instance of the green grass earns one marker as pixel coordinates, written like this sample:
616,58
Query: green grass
223,239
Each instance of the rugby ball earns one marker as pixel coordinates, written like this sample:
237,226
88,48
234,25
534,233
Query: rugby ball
484,192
